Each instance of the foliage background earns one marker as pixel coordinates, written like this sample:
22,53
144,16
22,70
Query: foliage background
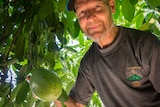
36,33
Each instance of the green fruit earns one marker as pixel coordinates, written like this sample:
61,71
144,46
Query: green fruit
45,85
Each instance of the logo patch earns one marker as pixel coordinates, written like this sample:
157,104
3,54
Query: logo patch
134,75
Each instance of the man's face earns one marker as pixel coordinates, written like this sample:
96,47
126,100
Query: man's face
95,17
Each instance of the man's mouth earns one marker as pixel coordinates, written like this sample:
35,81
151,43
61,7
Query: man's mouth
93,27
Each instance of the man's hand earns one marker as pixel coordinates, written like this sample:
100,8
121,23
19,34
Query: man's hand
72,103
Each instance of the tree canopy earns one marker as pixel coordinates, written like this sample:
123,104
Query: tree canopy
41,33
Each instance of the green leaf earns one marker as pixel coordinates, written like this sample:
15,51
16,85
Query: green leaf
4,89
138,19
9,62
36,25
63,97
1,3
70,23
20,47
41,104
148,17
15,91
30,100
22,93
52,47
128,10
145,27
33,37
69,87
156,30
61,5
7,103
153,3
117,13
133,2
23,72
76,29
46,9
81,38
96,100
60,33
49,57
70,49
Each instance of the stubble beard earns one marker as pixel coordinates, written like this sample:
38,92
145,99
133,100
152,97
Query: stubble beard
102,35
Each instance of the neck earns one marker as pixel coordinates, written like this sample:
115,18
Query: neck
109,37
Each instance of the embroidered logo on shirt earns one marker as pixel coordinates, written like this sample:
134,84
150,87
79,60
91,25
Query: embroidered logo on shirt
134,75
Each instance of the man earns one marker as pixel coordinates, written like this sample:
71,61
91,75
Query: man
122,64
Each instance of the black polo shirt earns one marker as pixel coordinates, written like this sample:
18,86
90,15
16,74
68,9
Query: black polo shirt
125,74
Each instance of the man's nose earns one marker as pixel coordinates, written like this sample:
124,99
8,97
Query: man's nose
90,15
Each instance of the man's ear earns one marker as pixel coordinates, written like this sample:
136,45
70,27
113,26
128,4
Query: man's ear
112,5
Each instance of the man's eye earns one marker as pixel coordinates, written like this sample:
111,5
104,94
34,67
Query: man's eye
81,14
98,8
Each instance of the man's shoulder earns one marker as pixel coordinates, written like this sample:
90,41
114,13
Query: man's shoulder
134,31
89,55
138,34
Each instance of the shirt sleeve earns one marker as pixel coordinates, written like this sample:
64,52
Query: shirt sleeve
154,74
83,88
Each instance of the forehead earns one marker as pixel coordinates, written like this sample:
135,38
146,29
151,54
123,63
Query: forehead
85,1
79,3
